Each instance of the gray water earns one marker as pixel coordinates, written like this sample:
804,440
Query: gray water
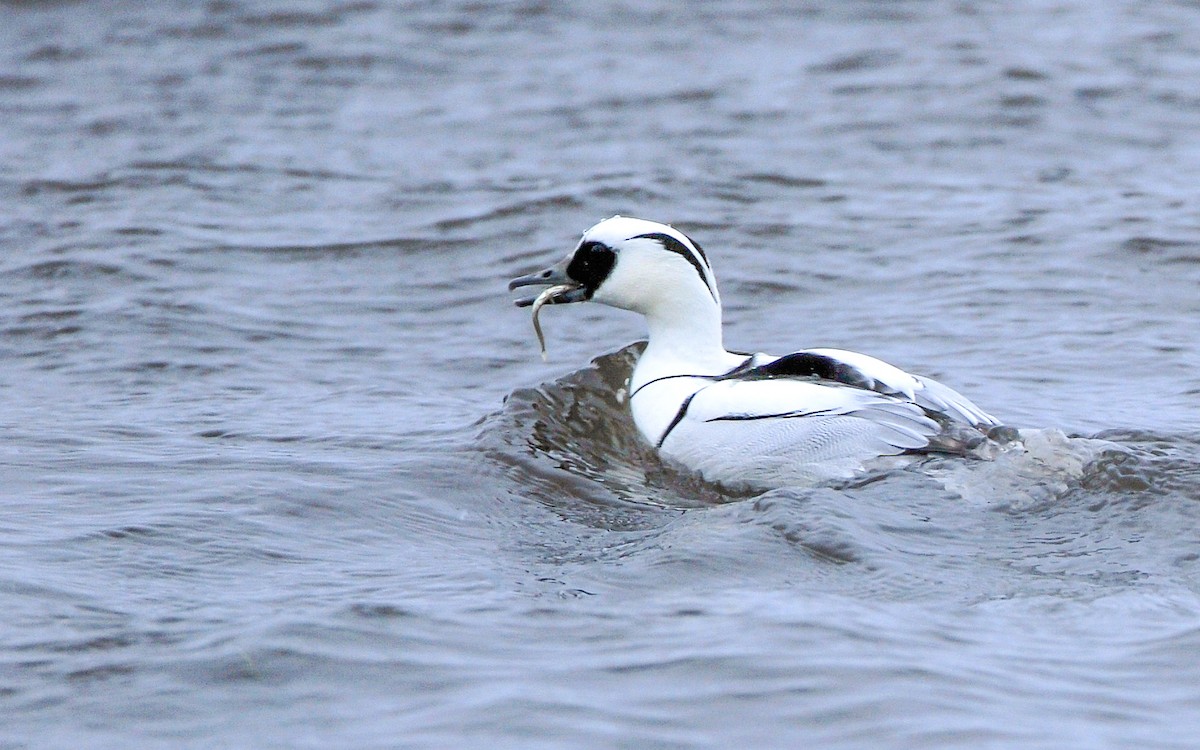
281,467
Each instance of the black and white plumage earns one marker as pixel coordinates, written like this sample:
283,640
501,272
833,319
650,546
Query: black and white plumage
812,415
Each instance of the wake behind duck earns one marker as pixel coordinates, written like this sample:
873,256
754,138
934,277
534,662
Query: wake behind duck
812,415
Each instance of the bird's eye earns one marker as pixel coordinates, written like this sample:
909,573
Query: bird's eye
594,252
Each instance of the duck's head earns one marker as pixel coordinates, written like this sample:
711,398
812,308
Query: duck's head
632,264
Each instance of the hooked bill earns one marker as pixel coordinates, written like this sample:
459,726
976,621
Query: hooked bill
544,298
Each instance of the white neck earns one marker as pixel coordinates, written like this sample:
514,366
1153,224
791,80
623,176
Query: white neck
683,340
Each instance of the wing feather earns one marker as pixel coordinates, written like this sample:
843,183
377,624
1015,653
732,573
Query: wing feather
941,398
923,391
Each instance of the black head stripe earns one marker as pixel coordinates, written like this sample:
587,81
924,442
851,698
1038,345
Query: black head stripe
670,243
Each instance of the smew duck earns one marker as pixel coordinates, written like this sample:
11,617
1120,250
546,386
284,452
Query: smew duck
750,419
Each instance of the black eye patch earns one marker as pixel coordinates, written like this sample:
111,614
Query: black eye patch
591,264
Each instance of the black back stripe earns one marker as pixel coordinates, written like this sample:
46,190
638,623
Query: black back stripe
638,390
670,243
806,364
679,415
738,368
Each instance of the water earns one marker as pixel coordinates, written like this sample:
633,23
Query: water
281,465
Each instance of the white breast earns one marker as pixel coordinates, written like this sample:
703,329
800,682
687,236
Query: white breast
656,405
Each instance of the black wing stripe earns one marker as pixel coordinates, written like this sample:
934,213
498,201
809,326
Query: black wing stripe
781,415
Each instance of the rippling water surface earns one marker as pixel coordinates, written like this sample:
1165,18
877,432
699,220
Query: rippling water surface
280,465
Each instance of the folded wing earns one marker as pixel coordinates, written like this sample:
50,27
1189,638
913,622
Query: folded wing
820,412
792,428
862,371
